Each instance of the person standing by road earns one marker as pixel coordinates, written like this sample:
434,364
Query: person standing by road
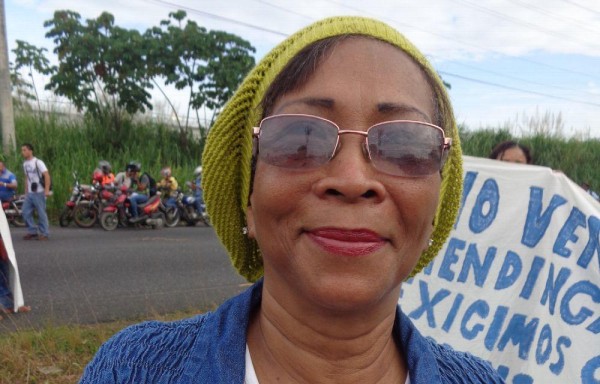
8,183
37,189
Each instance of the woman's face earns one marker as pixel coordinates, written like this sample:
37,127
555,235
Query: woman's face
345,234
514,155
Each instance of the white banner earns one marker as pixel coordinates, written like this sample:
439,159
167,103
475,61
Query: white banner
15,281
518,281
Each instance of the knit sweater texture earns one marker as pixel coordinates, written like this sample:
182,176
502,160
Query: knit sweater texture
210,348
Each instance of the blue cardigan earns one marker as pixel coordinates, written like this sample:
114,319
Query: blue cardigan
210,348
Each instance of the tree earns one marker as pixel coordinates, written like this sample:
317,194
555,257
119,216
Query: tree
225,71
101,66
209,65
21,89
33,59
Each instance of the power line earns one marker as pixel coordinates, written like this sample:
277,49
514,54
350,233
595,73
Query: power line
561,18
523,80
582,7
517,89
512,19
218,17
445,37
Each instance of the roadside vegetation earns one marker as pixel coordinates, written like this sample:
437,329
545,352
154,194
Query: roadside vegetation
66,146
77,145
58,355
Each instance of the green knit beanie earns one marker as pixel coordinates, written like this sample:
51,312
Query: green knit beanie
227,156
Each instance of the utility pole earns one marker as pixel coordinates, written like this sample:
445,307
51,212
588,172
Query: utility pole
7,120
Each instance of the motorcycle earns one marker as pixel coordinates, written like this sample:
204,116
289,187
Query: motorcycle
79,193
172,214
13,210
117,212
187,208
88,210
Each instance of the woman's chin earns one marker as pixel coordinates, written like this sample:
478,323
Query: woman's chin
351,295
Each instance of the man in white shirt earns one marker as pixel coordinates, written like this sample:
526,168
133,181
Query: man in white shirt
37,189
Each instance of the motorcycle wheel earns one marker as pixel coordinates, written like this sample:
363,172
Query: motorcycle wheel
85,215
109,220
18,221
66,216
187,216
205,219
172,217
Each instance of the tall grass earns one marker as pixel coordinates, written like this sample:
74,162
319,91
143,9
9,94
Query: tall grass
66,146
577,158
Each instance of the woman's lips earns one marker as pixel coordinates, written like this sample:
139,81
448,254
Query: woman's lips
345,242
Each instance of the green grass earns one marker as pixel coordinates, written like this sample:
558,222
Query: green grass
67,146
577,158
58,355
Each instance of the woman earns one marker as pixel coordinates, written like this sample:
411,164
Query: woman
512,152
333,218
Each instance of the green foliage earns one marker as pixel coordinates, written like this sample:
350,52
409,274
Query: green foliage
66,146
107,71
59,354
209,65
576,158
32,58
21,89
101,67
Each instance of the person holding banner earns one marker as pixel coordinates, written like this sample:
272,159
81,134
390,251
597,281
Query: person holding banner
330,180
512,152
7,301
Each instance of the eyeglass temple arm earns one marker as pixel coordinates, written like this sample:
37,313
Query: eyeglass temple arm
447,143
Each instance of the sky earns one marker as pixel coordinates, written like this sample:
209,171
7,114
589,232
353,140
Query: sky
506,60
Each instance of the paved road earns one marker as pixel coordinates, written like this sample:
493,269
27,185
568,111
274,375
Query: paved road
85,276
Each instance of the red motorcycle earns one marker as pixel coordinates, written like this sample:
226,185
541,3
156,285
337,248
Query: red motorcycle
80,194
88,210
117,212
13,210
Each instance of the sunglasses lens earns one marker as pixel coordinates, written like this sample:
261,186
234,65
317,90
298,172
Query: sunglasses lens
408,149
291,141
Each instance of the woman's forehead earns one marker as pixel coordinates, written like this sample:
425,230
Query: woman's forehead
366,72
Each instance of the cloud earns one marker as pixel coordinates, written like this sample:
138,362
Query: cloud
553,47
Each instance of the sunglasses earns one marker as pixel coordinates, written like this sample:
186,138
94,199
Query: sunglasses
400,147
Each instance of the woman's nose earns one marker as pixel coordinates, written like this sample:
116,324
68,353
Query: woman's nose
349,176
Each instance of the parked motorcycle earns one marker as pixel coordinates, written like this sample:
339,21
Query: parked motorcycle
88,210
79,193
13,210
172,213
117,212
188,211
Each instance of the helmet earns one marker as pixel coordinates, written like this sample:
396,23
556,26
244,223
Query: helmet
198,171
133,166
166,171
98,176
104,166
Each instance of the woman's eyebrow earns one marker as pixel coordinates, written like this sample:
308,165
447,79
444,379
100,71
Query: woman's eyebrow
322,102
393,108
